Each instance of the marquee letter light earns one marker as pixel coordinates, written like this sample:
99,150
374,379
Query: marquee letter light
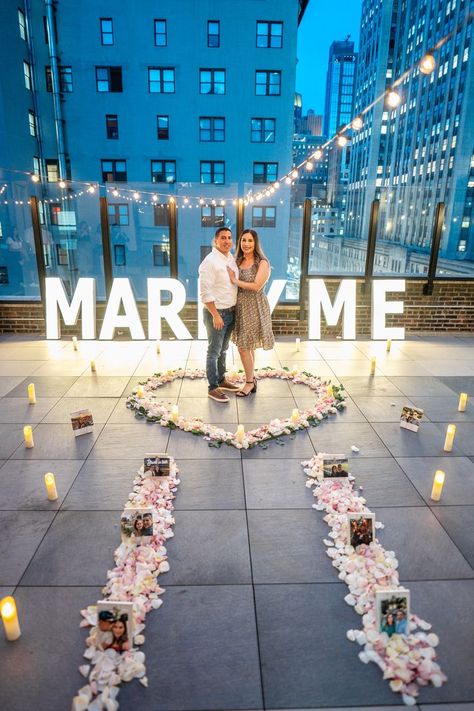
169,312
57,301
345,299
275,291
121,292
381,307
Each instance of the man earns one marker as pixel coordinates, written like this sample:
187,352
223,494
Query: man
147,529
400,622
219,297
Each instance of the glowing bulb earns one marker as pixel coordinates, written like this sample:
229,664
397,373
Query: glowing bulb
341,141
309,165
357,123
136,195
91,189
222,202
276,185
318,154
294,174
288,180
62,184
201,201
393,99
115,192
186,200
172,199
427,64
35,178
154,198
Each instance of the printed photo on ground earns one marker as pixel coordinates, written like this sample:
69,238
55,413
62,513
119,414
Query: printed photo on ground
361,529
82,422
393,610
136,525
335,468
114,625
156,465
410,418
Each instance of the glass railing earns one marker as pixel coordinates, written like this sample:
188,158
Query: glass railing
163,230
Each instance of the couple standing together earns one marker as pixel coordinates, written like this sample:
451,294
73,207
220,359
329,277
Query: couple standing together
231,289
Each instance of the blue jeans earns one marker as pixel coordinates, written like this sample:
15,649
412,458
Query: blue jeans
218,342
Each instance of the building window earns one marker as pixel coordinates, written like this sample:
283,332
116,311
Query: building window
263,216
118,214
211,128
4,275
163,127
262,130
32,123
212,216
65,80
212,81
36,166
52,170
163,171
270,35
160,80
106,30
213,171
213,33
205,250
27,73
108,79
62,255
120,259
160,255
114,171
22,25
111,126
161,216
265,172
161,35
267,83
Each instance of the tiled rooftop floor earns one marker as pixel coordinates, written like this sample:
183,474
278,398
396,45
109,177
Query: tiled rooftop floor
254,616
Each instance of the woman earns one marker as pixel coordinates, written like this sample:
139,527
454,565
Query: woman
138,526
253,324
388,624
120,637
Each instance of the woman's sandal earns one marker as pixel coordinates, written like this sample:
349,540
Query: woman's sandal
240,393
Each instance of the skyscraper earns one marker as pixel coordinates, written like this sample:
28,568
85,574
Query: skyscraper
420,152
339,86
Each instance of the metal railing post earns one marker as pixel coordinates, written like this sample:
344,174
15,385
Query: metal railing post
106,248
39,251
173,215
239,223
435,245
304,261
371,241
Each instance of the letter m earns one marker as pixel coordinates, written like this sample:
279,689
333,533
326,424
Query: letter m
345,300
57,303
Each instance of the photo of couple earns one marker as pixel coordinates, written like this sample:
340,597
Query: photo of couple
136,524
231,289
393,611
335,468
156,465
114,625
361,529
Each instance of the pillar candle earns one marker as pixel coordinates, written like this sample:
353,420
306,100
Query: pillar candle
240,434
448,442
74,342
31,394
329,391
9,615
438,482
50,484
140,391
158,347
174,413
294,370
28,435
295,415
389,345
93,366
373,364
298,341
462,402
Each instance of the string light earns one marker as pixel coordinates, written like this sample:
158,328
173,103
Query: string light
136,196
62,184
427,64
35,178
115,192
357,123
318,154
341,141
294,174
393,98
288,180
309,165
91,189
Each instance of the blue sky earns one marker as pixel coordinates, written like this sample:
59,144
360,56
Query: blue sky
323,22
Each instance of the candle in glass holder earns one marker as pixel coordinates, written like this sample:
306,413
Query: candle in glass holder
438,482
462,402
50,483
448,442
295,415
174,413
240,434
93,367
389,345
74,342
31,394
158,347
298,341
329,391
373,364
28,435
11,626
140,391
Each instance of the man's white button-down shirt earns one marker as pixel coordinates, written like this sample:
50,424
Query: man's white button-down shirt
214,282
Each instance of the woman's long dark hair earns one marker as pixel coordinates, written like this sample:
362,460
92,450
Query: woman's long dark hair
258,251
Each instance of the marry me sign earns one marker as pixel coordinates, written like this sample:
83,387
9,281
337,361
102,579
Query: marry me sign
122,312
